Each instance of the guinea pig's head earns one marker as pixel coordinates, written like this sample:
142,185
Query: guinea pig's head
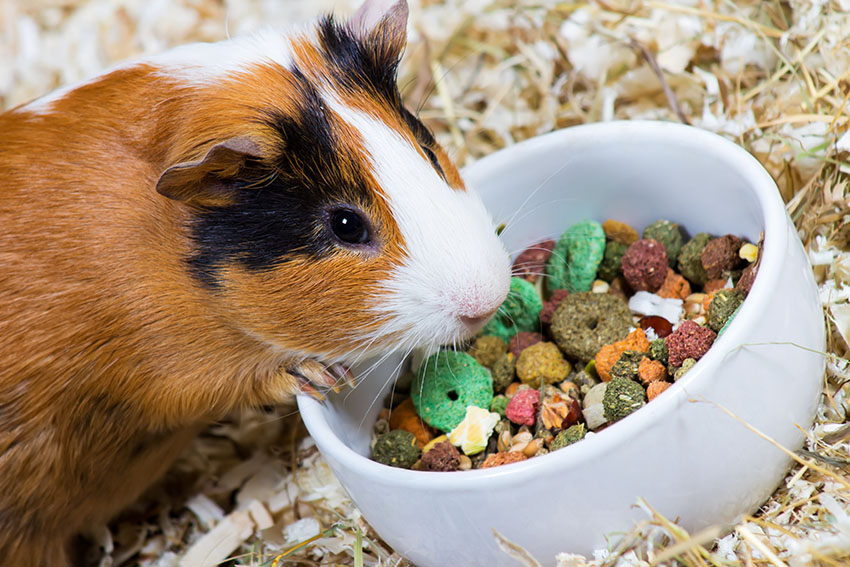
326,220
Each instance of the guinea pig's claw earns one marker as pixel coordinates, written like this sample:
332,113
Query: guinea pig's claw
307,388
317,374
343,373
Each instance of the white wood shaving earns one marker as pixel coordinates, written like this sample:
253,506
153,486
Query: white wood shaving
517,552
262,518
301,530
571,560
208,512
219,543
841,318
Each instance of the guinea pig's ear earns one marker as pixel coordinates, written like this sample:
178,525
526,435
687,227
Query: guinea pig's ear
391,15
210,182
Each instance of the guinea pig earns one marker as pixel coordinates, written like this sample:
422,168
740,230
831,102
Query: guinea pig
219,226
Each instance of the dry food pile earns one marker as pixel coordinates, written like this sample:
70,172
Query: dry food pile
773,76
573,353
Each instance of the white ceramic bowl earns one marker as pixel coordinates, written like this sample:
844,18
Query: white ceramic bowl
681,453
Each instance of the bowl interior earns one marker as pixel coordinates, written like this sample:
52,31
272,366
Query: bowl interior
634,172
544,187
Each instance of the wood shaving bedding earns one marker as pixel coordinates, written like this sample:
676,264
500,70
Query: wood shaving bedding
773,76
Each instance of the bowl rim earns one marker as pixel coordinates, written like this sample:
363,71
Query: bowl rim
776,232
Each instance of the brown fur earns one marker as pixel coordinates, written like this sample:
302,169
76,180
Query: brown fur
112,354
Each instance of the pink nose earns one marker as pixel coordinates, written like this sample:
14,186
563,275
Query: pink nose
475,310
475,305
477,320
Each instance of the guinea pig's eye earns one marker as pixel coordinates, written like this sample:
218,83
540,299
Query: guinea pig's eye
349,226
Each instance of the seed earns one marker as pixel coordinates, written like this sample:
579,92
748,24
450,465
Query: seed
518,447
522,437
504,443
532,447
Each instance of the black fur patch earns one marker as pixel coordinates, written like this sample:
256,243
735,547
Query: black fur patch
360,66
371,67
280,214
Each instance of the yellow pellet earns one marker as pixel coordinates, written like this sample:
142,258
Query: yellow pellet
749,252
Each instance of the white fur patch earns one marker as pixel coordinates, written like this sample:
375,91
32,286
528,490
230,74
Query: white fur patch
454,258
202,63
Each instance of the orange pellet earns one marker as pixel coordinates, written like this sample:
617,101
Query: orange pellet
655,388
706,301
674,286
404,417
497,459
511,389
619,232
636,340
609,354
605,359
714,285
569,388
650,371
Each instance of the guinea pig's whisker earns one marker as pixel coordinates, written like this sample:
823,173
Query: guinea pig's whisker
365,349
384,357
404,88
523,269
559,257
510,224
281,416
517,251
534,246
432,82
528,197
374,364
519,272
424,372
506,315
358,359
390,377
372,367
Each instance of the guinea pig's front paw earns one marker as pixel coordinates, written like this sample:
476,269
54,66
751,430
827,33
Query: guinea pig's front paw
314,377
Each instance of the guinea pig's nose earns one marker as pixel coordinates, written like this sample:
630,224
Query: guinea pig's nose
475,310
477,320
